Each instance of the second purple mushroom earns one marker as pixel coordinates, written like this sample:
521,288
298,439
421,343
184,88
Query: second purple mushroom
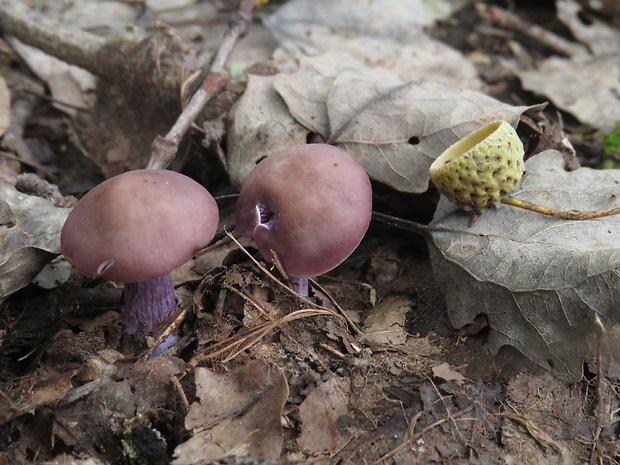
310,204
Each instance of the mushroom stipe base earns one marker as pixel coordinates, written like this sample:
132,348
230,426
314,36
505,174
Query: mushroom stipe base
148,303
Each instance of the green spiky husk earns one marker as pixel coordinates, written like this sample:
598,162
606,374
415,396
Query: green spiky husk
482,169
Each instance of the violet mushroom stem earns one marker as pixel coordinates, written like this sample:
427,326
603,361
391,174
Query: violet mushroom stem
300,285
310,204
148,302
134,229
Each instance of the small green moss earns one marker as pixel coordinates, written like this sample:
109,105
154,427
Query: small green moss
611,142
611,149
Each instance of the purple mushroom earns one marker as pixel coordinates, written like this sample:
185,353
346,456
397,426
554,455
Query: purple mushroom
310,204
134,229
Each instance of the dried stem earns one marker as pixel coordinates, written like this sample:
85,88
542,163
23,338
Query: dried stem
600,384
401,223
165,148
71,45
508,20
83,49
564,214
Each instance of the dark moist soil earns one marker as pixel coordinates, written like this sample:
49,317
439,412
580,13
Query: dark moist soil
74,384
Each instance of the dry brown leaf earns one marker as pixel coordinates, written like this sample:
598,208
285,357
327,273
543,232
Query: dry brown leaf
305,91
319,414
396,130
396,134
45,388
30,237
238,415
600,37
262,124
386,34
68,84
139,393
447,373
543,283
385,324
65,459
8,409
587,87
104,16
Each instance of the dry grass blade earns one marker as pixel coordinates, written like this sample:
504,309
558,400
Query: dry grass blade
539,435
348,319
249,300
304,300
267,272
227,350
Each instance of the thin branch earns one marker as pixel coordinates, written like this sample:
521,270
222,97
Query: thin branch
165,148
84,50
68,44
408,225
564,214
507,20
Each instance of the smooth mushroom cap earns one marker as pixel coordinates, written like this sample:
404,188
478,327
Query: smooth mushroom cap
139,225
311,204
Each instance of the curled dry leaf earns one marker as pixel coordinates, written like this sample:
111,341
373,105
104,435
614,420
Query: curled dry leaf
395,130
386,323
447,373
587,87
262,124
319,414
30,237
385,34
68,84
544,284
238,415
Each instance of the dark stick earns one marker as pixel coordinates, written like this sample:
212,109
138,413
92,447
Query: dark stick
165,148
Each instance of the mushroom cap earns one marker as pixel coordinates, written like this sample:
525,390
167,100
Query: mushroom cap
311,204
139,225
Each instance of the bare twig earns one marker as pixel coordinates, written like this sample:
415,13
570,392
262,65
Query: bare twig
165,148
32,164
507,20
563,214
71,45
230,348
401,223
86,50
600,383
